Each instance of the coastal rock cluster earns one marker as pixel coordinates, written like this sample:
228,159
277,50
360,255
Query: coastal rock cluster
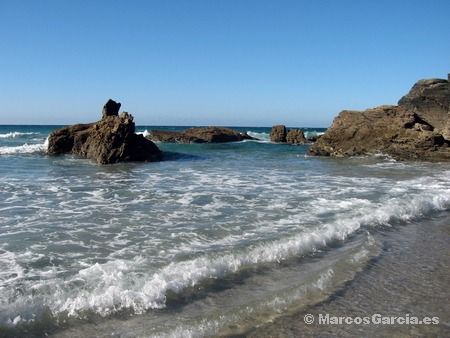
199,135
279,134
110,140
418,128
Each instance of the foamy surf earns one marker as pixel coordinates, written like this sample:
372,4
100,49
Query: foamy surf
131,285
15,134
213,240
25,149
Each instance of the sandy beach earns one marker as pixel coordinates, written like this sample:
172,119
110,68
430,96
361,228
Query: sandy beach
410,279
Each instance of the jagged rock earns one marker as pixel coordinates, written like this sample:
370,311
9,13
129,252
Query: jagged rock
278,134
199,135
295,136
111,108
414,130
110,140
430,98
390,130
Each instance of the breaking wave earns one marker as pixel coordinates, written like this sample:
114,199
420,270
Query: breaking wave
24,149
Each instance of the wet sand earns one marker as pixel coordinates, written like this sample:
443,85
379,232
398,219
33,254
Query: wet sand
411,278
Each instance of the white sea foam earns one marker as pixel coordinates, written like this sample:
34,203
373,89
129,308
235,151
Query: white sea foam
266,136
259,136
253,305
309,133
14,134
144,133
120,284
99,246
24,149
117,284
10,271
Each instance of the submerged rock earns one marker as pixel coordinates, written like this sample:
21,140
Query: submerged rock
110,140
413,130
199,135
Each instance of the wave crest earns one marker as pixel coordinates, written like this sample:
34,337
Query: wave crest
25,149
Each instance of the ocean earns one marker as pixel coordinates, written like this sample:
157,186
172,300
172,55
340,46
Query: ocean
234,239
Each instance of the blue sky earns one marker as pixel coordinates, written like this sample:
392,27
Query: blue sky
215,62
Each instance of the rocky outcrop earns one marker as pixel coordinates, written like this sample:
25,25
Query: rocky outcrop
110,140
199,135
111,108
413,130
430,99
295,136
172,137
278,134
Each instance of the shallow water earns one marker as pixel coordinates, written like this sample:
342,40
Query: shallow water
215,240
409,278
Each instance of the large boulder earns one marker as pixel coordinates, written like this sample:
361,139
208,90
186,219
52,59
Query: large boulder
199,135
278,134
110,140
296,136
417,129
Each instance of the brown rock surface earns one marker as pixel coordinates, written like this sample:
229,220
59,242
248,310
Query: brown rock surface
278,134
110,140
199,135
295,136
430,99
411,131
172,137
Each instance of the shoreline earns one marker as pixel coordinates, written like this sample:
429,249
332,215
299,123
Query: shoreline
411,278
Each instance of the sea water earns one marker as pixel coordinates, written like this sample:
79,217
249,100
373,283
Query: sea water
216,239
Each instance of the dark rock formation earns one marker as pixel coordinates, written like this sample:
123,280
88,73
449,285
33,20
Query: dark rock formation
110,140
295,136
199,135
278,134
111,108
314,138
413,130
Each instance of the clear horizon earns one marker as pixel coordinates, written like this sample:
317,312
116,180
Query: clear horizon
163,125
229,63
